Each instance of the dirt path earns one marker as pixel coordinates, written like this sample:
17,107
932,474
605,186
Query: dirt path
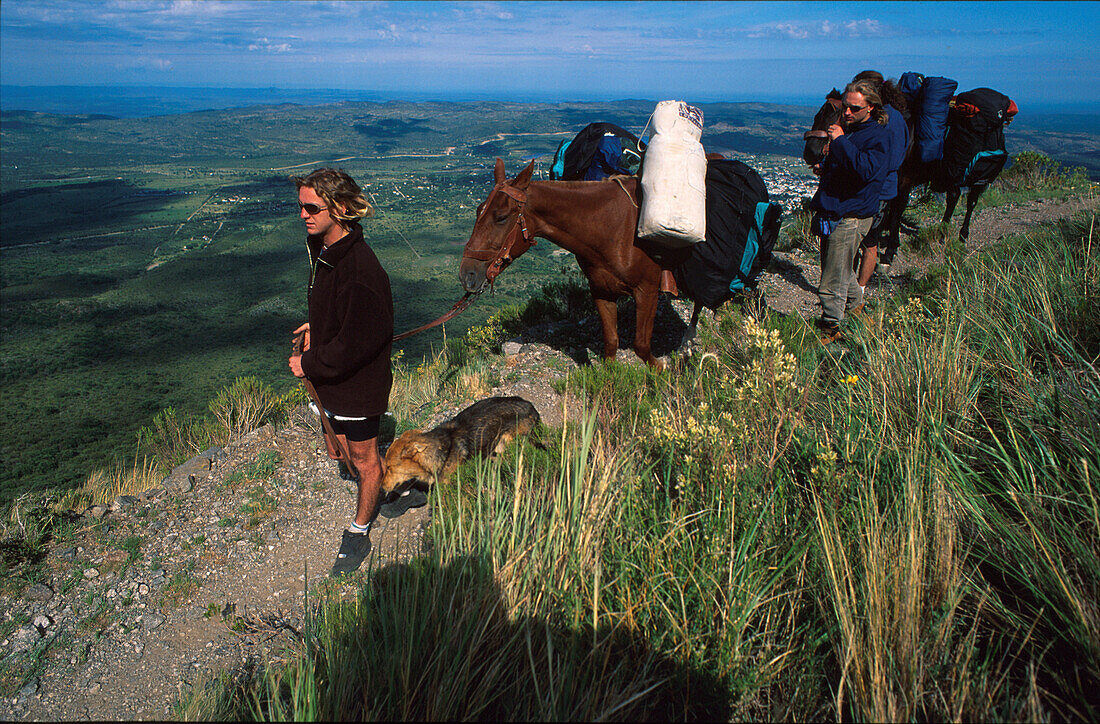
208,575
793,288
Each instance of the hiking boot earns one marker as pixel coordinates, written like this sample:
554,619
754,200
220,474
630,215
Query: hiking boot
354,548
411,498
829,333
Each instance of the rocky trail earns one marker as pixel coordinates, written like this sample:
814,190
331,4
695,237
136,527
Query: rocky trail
158,592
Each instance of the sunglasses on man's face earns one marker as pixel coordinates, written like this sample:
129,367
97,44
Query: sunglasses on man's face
854,109
312,209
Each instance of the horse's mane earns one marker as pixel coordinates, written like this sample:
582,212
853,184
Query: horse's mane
894,97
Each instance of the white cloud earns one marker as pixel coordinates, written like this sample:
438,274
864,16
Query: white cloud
146,63
265,45
388,31
823,29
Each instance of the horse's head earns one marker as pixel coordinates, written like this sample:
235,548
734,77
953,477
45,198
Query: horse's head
817,142
500,230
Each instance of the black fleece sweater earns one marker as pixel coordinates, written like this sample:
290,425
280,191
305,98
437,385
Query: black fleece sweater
351,327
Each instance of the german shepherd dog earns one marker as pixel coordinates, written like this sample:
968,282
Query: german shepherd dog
483,428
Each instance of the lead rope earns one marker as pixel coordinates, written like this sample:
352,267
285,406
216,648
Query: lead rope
460,305
312,392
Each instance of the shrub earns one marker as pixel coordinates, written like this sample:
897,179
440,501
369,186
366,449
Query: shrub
797,233
1031,170
173,438
241,407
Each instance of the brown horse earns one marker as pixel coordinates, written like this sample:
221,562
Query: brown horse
913,173
595,220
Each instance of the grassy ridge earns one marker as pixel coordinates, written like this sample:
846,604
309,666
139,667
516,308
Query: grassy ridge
902,528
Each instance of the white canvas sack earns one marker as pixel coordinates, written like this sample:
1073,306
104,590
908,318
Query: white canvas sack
674,173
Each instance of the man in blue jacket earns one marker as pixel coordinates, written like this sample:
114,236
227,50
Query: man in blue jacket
896,107
847,199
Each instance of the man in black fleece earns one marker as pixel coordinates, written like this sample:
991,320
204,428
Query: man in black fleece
347,340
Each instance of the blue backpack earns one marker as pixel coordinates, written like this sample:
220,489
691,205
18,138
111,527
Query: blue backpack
599,150
929,103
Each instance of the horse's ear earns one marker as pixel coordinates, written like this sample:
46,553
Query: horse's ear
834,93
498,172
524,177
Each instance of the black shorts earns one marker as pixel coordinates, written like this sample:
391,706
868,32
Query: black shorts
356,430
874,235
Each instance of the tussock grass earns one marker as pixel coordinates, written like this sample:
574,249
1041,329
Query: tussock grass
241,407
103,487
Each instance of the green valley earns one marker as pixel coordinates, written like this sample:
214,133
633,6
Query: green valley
148,262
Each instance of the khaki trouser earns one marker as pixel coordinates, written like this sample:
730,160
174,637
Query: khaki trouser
839,289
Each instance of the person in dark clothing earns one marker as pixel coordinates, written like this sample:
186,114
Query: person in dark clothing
896,109
346,344
847,200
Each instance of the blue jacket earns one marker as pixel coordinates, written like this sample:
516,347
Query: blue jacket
853,172
899,140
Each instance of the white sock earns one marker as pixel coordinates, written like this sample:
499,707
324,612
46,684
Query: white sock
356,528
862,289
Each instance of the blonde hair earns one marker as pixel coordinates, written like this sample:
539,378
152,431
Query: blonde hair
338,190
871,93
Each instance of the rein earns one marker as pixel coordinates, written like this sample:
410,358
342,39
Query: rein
461,304
499,260
334,439
517,235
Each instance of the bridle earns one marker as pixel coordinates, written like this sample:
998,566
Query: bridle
517,241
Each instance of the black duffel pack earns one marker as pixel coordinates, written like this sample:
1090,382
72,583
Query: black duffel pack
974,150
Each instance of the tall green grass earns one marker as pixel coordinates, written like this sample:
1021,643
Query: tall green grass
903,528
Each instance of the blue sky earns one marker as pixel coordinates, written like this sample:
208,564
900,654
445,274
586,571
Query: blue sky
1034,52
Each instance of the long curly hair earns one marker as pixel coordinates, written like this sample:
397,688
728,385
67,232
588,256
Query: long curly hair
339,191
870,93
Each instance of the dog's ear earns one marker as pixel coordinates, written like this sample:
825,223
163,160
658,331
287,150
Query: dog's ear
406,446
415,448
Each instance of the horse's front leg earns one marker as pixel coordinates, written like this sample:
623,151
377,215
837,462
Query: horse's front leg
693,326
971,201
609,321
952,200
645,308
896,210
